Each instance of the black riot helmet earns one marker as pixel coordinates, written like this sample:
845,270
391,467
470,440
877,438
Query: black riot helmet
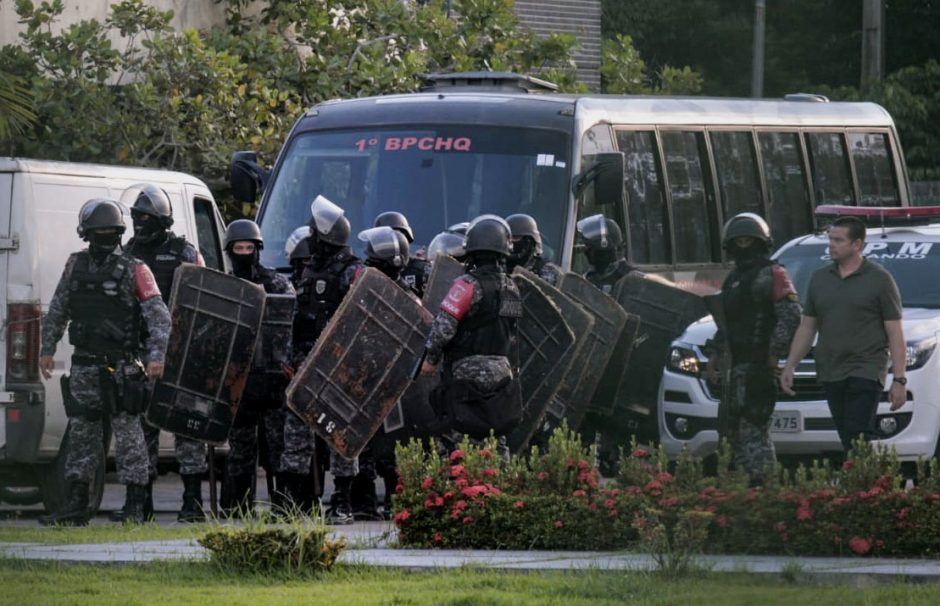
524,226
329,222
396,221
148,199
385,247
600,233
243,230
746,224
489,233
100,213
297,245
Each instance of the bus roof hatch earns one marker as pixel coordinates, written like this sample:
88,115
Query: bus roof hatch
501,82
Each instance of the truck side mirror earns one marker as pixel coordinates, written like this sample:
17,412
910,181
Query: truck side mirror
246,177
606,172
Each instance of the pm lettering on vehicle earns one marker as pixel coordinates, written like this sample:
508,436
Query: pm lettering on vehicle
907,250
461,144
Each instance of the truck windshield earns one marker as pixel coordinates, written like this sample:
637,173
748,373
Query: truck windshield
435,175
908,262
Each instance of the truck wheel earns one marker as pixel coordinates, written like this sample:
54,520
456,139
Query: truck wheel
20,495
54,487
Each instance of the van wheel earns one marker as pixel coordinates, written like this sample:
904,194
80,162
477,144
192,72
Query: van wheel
20,495
54,487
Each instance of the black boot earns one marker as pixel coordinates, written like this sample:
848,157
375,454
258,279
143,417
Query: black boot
191,511
121,514
391,483
294,494
340,512
74,511
239,499
365,503
135,503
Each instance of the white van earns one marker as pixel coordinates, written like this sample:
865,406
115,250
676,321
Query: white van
39,204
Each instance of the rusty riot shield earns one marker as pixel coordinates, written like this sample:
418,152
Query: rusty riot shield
444,271
362,363
216,319
273,348
665,312
580,382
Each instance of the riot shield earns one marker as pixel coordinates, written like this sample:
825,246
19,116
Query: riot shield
444,270
609,387
665,312
362,363
580,382
544,341
216,319
273,348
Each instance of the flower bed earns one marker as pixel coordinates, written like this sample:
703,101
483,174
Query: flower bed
556,500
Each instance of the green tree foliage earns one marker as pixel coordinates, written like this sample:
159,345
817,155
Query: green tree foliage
186,100
624,72
15,105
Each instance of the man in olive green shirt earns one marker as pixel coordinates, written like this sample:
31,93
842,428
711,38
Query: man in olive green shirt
855,306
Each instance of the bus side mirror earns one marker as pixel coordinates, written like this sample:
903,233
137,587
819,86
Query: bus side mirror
606,172
246,177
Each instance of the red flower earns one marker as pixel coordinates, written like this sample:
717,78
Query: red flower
609,503
437,537
612,513
640,453
456,470
669,502
804,511
664,476
486,453
859,545
401,516
449,495
579,493
582,464
848,464
559,524
427,483
519,504
615,492
490,472
468,519
472,492
456,455
542,475
433,501
399,488
460,482
569,462
461,505
654,488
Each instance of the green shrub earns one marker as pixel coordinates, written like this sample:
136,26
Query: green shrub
263,548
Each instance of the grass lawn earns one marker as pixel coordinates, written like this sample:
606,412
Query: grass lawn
104,533
204,583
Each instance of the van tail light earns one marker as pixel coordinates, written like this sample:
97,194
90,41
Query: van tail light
22,335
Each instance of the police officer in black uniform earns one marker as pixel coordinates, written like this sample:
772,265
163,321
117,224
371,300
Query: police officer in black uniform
163,251
527,249
603,247
262,402
417,270
326,279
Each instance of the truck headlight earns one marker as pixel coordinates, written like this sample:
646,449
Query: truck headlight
918,352
684,360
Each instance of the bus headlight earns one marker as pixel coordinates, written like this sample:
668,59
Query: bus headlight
684,360
918,352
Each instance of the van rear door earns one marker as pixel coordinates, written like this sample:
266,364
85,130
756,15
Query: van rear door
6,245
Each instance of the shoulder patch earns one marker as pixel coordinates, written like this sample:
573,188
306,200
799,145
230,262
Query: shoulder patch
782,286
145,286
458,299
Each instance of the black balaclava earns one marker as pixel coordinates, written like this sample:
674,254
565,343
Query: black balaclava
600,258
147,228
389,269
320,250
243,265
747,257
101,245
522,251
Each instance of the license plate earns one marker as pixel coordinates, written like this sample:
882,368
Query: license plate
786,421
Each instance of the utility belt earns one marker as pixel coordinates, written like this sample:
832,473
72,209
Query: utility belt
123,386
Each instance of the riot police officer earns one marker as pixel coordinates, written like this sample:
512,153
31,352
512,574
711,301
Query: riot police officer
325,281
297,249
105,298
527,249
447,243
262,402
761,313
417,270
163,251
474,333
603,246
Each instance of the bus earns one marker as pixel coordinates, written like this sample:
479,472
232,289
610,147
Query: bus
668,170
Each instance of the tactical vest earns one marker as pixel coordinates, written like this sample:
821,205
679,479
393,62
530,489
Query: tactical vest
750,315
162,259
607,279
321,291
415,274
489,330
104,315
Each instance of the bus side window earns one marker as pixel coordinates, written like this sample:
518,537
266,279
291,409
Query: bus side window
832,179
738,175
690,184
646,200
210,242
790,203
873,166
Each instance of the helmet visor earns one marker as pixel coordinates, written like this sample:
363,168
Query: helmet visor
594,229
295,238
325,214
383,241
147,198
446,244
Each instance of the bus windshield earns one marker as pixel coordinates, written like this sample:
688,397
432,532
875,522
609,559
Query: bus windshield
435,175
